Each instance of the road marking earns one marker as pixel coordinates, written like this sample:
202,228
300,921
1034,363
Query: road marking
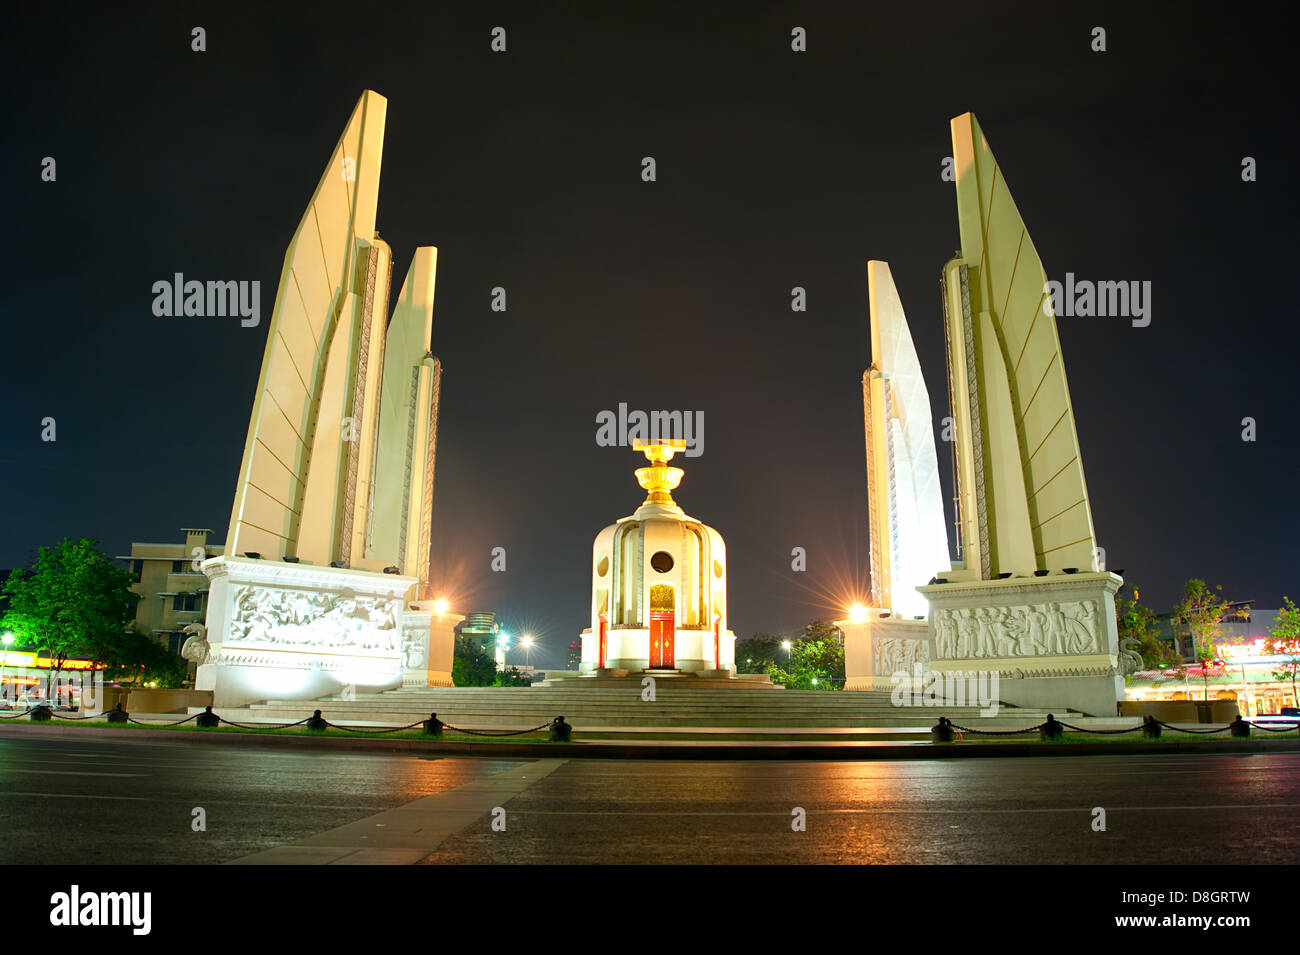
411,832
76,796
70,772
891,812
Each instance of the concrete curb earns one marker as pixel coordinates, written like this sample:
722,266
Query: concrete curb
660,749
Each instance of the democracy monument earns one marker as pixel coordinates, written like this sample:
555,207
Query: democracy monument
659,587
1027,597
324,585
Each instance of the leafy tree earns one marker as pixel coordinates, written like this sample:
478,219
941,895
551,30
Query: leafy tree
755,654
1202,610
511,677
73,602
821,630
472,664
134,656
816,660
1284,641
1139,623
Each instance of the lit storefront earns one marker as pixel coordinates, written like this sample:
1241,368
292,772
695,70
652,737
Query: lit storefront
1244,672
25,679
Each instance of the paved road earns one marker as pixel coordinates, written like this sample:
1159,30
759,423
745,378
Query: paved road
1171,809
86,802
80,801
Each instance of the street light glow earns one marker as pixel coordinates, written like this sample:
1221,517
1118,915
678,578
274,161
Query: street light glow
857,613
440,606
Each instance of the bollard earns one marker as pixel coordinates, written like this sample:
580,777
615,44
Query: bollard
561,732
942,732
41,713
207,719
1051,730
117,714
1239,727
315,722
433,726
1150,727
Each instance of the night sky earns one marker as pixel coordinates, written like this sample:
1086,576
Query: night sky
775,169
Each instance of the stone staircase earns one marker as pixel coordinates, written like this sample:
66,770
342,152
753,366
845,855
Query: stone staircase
609,709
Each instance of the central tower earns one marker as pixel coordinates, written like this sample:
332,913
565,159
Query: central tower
659,584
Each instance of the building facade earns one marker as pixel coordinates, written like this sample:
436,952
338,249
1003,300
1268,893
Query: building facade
173,590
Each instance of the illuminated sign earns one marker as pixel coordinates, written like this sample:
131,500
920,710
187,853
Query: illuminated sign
25,658
1253,652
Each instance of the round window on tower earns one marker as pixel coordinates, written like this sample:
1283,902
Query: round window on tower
662,562
602,568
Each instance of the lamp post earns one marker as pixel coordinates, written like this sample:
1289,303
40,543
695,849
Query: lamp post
527,642
8,639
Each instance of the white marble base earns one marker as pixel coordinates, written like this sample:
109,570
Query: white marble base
1052,640
428,645
629,649
876,648
278,630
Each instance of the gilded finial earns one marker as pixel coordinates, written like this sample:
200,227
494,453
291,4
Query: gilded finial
659,479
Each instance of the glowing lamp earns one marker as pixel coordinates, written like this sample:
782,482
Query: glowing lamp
858,613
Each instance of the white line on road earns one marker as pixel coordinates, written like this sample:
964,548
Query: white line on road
69,772
76,796
891,812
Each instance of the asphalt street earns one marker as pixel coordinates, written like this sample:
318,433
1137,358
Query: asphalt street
74,801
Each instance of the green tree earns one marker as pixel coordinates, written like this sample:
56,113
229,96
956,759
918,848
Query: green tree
73,602
1201,610
1138,623
816,660
511,677
137,657
755,654
1284,641
472,664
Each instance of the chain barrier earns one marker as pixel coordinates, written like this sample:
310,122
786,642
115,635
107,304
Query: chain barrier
458,729
967,729
1119,732
359,729
259,726
177,723
1080,729
1276,729
1170,726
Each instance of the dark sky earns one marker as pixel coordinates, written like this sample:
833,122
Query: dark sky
775,169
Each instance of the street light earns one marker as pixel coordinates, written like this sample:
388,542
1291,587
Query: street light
8,639
527,642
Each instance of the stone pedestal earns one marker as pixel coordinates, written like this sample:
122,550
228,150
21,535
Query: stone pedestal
1051,640
878,648
428,645
279,630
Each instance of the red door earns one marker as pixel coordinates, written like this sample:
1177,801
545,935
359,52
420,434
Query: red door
600,647
661,640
